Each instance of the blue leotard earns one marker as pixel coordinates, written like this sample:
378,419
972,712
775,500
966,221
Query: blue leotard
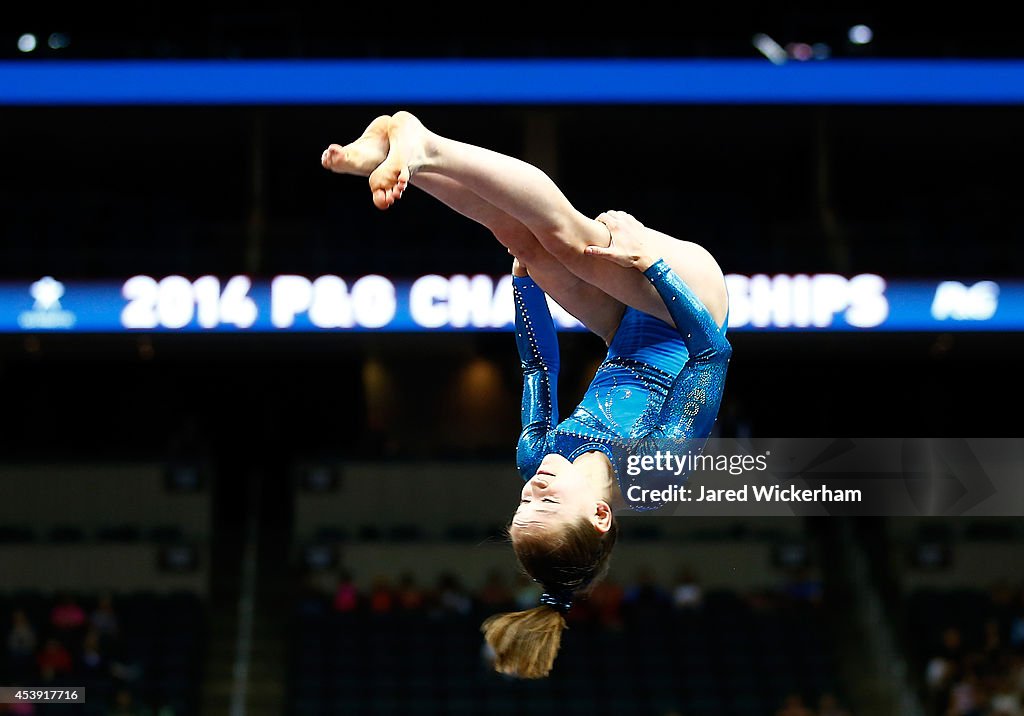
658,389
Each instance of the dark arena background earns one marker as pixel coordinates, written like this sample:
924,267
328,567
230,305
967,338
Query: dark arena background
235,480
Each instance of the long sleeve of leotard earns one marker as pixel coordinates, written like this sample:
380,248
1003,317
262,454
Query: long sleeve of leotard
537,342
692,405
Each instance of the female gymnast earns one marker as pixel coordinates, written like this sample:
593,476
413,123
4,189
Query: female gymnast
659,303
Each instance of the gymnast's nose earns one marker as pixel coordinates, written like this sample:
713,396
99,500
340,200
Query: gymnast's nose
540,481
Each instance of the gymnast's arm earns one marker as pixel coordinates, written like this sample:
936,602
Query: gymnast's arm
537,342
692,405
691,408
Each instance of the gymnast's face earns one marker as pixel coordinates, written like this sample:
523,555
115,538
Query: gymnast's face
560,493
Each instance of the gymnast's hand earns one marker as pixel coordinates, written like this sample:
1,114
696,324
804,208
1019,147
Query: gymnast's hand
518,269
626,246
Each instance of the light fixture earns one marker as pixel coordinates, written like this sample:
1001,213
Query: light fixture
58,41
860,34
27,42
770,48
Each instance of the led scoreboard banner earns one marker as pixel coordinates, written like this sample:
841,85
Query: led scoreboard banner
329,303
510,81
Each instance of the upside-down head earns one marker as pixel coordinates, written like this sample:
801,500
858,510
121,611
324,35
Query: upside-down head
562,533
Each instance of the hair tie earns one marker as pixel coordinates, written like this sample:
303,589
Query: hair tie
561,602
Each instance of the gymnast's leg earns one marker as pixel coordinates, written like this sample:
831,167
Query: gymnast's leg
598,311
527,194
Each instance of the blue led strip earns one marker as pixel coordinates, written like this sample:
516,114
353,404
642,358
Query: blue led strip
338,82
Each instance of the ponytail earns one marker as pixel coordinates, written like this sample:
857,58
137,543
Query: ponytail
525,643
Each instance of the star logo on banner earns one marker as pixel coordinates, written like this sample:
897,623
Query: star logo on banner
47,292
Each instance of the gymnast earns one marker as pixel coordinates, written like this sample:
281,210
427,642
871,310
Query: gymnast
659,303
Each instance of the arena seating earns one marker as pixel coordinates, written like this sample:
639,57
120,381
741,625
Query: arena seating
155,655
63,540
725,659
749,642
961,608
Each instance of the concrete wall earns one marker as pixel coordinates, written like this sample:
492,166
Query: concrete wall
978,565
975,562
42,496
50,568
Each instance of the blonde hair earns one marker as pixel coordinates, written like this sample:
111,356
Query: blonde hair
526,643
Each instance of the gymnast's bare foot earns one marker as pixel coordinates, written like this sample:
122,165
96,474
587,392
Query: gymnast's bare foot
364,154
407,149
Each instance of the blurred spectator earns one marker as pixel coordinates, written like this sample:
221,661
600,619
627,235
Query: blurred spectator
793,705
125,667
965,697
993,659
124,705
804,586
761,600
127,704
939,675
606,601
942,669
311,601
527,592
1006,699
1015,672
645,598
495,593
687,593
67,614
381,599
487,657
1016,632
346,596
952,648
408,595
828,705
1003,597
993,637
104,619
452,597
92,660
54,659
21,644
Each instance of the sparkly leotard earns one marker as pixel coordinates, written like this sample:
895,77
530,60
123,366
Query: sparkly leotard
658,389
